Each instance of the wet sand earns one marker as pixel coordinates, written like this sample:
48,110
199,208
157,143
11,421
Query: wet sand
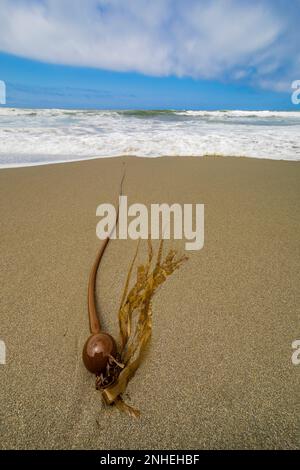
218,373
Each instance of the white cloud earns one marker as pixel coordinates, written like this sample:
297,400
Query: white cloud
220,39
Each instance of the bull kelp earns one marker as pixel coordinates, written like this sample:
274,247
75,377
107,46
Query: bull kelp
135,324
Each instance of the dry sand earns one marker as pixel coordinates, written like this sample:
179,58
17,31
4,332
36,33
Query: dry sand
218,373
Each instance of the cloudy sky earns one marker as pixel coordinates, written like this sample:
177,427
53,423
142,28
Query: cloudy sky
158,53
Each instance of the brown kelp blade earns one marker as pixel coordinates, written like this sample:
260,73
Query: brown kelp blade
135,319
123,313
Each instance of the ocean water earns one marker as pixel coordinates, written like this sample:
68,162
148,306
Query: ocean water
31,136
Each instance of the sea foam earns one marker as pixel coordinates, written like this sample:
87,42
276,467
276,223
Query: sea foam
31,136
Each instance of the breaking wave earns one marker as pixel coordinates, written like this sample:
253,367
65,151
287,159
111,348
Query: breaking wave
37,136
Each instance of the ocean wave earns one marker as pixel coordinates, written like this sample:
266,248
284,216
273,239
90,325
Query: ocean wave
243,114
50,135
151,113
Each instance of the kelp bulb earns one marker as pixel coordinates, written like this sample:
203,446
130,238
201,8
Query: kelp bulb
97,350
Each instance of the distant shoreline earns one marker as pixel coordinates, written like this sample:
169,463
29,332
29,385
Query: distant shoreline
246,110
79,160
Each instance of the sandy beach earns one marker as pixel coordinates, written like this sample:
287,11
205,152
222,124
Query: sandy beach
218,373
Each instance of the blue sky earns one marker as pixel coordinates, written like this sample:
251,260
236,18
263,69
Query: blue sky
201,54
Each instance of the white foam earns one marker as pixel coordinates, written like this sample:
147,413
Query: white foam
243,114
31,137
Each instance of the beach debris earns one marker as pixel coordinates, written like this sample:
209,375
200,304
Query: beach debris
100,347
135,321
117,364
114,365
